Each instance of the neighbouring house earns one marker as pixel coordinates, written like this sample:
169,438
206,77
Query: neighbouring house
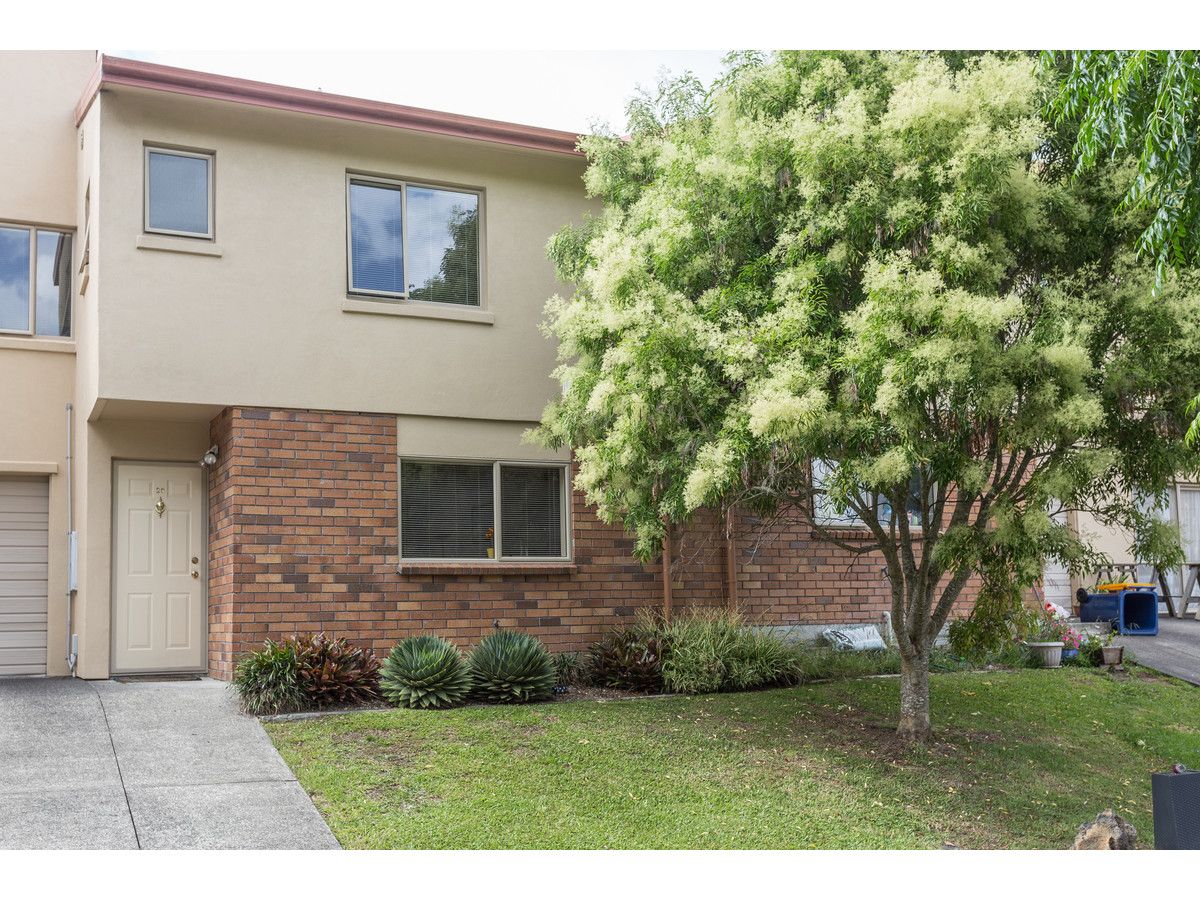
266,360
1179,587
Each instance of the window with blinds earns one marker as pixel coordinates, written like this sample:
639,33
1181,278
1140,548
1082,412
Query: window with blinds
482,511
530,511
446,511
414,241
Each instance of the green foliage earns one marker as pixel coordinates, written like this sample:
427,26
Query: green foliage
871,259
820,663
425,672
629,659
511,667
1143,106
569,669
334,672
267,680
715,650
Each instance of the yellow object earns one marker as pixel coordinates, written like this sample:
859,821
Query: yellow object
1122,586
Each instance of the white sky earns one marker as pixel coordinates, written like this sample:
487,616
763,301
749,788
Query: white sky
556,89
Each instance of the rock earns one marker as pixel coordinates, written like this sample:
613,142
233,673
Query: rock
948,845
1107,831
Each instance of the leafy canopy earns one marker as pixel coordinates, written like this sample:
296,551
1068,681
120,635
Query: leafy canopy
876,260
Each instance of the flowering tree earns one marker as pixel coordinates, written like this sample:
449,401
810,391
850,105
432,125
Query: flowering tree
875,262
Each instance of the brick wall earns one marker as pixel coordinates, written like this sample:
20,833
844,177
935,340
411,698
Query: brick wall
303,537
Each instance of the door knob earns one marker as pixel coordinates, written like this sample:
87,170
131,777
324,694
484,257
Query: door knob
195,574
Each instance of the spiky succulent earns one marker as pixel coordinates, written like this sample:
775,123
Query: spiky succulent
511,667
425,672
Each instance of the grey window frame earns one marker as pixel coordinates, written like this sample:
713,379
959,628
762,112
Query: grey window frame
850,519
211,157
497,525
403,184
31,331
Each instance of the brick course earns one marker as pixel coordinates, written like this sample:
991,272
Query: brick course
303,537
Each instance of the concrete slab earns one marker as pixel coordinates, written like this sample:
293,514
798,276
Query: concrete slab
1175,650
171,764
87,819
263,815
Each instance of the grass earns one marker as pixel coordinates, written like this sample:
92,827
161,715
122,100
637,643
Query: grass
1021,758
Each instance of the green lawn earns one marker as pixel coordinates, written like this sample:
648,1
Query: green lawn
1021,759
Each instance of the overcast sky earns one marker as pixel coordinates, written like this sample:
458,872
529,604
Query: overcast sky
556,89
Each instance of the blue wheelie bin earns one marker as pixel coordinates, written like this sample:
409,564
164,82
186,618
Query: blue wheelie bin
1131,611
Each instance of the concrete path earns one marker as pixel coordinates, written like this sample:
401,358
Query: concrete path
104,765
1175,650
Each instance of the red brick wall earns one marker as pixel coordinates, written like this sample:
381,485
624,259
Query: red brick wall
303,537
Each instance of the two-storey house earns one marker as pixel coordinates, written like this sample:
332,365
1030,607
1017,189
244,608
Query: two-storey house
266,360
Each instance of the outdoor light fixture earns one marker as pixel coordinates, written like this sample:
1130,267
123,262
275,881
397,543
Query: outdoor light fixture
209,458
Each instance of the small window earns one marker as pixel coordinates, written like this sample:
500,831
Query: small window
826,511
414,242
454,511
35,281
179,196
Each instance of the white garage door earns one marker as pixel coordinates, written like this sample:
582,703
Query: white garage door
24,526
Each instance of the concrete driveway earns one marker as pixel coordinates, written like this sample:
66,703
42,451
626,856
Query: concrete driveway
105,765
1175,650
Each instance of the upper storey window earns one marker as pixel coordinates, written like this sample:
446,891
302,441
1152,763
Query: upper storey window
179,192
35,281
414,241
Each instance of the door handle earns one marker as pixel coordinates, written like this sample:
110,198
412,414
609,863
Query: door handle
195,574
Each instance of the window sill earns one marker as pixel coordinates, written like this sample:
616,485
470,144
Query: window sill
487,568
418,310
49,345
195,246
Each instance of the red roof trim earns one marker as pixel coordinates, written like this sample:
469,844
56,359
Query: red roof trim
113,71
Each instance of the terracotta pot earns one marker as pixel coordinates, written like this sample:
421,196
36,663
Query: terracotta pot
1049,653
1112,655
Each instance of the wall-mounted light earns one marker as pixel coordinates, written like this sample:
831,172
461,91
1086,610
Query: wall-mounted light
209,458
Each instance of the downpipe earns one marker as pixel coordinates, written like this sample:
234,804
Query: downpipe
72,547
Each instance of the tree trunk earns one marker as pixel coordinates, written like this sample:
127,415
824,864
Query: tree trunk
914,698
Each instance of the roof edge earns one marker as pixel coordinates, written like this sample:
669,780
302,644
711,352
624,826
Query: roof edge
113,71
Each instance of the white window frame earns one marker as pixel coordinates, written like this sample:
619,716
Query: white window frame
208,155
31,331
564,501
849,518
403,184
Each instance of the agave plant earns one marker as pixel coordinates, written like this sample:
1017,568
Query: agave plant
511,667
425,672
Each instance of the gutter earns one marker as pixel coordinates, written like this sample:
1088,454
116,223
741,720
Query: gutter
113,71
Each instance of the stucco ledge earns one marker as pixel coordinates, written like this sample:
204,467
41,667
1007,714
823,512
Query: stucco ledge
444,312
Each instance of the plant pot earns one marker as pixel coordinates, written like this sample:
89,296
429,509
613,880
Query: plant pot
1048,653
1112,655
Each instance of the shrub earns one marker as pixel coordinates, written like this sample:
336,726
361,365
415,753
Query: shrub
267,680
714,650
425,672
569,669
334,672
511,667
629,659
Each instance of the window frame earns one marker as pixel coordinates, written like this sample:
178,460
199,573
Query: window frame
31,331
849,519
208,155
403,184
564,501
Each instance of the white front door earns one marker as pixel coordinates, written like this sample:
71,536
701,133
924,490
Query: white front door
159,554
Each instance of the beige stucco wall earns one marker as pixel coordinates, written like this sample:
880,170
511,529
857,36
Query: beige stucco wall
37,137
37,376
264,324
